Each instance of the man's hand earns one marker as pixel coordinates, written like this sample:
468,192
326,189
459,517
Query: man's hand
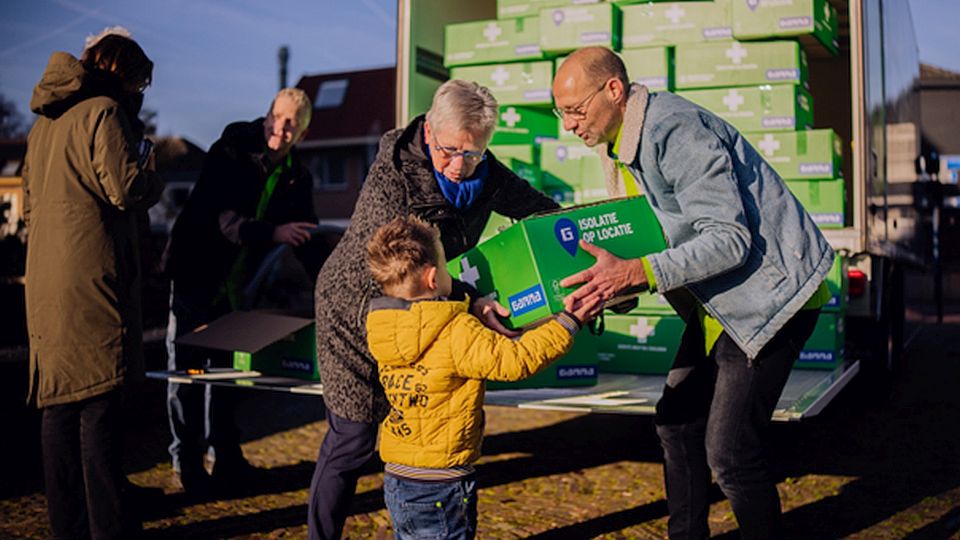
294,233
487,310
606,279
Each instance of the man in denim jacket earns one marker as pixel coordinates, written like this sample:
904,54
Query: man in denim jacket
744,268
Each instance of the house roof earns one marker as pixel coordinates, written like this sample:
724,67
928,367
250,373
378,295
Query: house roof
934,73
366,109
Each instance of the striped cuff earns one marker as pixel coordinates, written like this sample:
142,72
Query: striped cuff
569,322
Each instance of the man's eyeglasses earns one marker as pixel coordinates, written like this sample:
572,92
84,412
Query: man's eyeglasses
580,111
470,157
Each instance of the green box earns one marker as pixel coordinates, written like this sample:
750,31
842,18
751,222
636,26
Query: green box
654,303
563,29
527,153
492,41
652,67
267,342
735,63
568,162
651,25
509,9
520,83
495,225
576,368
824,200
839,285
758,108
825,348
757,19
572,172
530,173
801,155
644,344
522,266
524,125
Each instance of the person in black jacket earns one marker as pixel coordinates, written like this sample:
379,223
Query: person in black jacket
253,194
438,169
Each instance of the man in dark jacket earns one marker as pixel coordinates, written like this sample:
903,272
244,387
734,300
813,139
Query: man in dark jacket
252,194
438,169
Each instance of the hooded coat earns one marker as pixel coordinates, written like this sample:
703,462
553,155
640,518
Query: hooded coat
434,357
84,192
400,183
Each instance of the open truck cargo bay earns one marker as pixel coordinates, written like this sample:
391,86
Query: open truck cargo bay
862,89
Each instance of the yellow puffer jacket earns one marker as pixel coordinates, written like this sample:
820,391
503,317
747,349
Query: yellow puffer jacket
433,358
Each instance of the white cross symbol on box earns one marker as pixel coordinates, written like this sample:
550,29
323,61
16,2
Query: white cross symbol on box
492,32
510,117
470,274
500,75
675,13
733,100
736,53
769,145
642,330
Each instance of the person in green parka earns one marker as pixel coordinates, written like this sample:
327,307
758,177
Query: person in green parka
88,175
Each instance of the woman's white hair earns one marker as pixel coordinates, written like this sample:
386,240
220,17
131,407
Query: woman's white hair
93,39
463,106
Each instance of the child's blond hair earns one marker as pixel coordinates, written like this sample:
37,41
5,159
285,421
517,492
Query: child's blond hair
400,249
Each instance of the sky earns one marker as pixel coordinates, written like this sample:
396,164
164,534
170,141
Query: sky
216,61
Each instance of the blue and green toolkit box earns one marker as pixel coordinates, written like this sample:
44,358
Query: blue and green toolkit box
523,265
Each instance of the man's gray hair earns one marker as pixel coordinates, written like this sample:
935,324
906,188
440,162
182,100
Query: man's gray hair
300,98
463,106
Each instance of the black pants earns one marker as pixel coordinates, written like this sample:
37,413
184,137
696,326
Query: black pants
346,448
82,469
713,416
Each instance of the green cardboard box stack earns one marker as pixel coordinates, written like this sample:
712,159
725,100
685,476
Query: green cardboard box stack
572,173
810,163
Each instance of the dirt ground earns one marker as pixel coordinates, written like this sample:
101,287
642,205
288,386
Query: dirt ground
865,468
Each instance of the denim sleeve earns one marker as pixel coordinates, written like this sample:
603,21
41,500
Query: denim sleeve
694,161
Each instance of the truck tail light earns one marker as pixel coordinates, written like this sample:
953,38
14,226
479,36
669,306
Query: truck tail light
858,282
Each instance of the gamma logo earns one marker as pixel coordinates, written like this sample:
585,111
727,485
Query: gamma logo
527,300
567,234
576,372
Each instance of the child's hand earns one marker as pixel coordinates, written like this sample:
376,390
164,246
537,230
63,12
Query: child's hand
588,308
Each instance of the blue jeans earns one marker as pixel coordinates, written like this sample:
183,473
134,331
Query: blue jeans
713,415
197,420
431,510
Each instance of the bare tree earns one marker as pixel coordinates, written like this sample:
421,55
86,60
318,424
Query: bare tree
12,125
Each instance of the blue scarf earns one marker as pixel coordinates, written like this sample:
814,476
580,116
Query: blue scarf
461,194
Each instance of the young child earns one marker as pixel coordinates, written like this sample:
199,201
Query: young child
433,358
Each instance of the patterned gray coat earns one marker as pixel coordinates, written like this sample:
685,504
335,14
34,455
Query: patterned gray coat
400,182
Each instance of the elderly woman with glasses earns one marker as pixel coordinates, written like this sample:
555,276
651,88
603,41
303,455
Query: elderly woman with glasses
438,169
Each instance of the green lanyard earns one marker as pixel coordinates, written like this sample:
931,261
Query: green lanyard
238,276
269,186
